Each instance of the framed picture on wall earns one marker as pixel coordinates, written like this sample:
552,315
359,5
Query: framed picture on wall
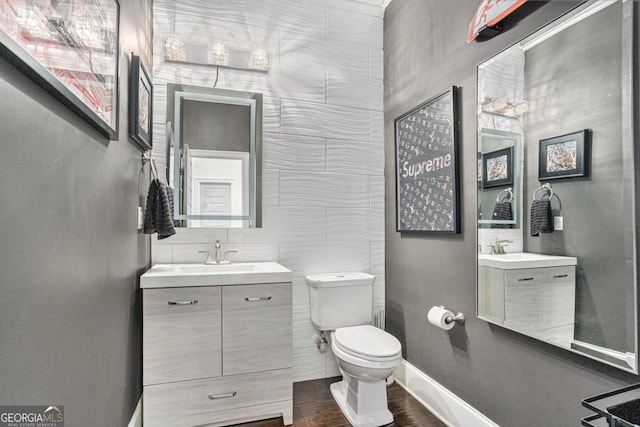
427,190
69,48
140,102
497,168
565,156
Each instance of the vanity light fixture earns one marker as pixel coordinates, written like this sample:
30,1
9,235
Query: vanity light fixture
219,53
259,59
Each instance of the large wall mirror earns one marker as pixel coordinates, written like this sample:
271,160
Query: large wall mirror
557,238
214,146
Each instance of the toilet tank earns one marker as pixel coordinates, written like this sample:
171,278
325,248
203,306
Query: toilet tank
340,299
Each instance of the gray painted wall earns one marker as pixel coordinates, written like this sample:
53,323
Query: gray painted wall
70,316
514,380
581,87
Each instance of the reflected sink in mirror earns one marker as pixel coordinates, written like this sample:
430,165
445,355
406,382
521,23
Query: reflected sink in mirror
179,275
512,261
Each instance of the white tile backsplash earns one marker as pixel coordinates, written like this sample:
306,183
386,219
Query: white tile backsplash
350,225
323,133
354,157
301,188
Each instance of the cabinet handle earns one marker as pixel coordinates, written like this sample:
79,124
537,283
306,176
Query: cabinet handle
257,299
560,276
191,302
222,396
525,279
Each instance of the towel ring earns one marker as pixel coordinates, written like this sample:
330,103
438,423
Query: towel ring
509,194
546,188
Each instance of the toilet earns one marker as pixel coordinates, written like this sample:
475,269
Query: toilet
341,303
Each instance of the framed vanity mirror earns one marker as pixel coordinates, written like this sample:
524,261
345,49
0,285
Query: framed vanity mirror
558,262
214,146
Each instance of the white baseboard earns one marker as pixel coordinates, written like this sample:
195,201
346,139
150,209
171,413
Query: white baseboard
136,418
452,410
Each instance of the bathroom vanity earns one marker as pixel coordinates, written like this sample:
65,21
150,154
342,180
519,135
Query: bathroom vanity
532,293
216,344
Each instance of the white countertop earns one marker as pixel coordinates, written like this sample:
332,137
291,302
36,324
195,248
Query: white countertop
512,261
240,273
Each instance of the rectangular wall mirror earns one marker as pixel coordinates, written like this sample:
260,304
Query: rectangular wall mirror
557,252
214,146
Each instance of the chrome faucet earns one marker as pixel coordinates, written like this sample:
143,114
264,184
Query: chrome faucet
498,247
217,248
210,259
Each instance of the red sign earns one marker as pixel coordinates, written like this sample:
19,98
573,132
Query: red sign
489,13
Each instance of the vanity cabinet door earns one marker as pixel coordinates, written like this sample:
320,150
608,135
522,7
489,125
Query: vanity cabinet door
181,334
523,299
256,328
558,297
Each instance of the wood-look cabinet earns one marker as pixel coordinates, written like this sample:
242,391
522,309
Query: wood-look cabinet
217,355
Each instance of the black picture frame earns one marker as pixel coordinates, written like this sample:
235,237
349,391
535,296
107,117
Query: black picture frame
140,104
565,156
427,173
71,49
497,168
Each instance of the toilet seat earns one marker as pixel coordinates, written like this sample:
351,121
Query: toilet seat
367,342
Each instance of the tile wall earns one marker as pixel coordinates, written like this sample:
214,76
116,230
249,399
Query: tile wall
323,159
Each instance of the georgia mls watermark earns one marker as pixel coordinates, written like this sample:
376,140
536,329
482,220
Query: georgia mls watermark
32,416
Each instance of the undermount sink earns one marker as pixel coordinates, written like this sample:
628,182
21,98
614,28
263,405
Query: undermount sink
180,275
512,261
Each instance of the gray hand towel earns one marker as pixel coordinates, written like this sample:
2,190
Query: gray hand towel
541,217
502,211
158,216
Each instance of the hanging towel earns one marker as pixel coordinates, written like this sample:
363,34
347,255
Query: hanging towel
541,217
502,211
158,215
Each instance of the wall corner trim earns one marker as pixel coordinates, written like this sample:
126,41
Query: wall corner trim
452,410
136,418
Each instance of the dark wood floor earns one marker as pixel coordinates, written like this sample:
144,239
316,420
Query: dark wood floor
313,406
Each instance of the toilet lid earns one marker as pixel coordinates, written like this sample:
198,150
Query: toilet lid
367,340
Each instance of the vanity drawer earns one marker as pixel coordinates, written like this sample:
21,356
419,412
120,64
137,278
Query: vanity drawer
523,277
257,328
181,334
559,274
198,402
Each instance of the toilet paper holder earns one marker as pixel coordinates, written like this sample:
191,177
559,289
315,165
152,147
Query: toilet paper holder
444,318
458,318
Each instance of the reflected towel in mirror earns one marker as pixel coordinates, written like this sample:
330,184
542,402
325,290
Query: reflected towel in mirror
541,217
502,211
158,215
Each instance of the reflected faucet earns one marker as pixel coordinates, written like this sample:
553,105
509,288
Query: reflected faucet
498,247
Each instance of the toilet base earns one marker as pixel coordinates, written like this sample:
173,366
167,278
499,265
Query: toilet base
364,404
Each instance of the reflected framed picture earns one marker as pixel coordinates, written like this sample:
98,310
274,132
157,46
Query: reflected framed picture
140,102
427,187
565,156
71,49
497,168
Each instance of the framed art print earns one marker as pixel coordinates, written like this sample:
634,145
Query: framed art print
140,102
565,156
71,49
427,191
497,168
